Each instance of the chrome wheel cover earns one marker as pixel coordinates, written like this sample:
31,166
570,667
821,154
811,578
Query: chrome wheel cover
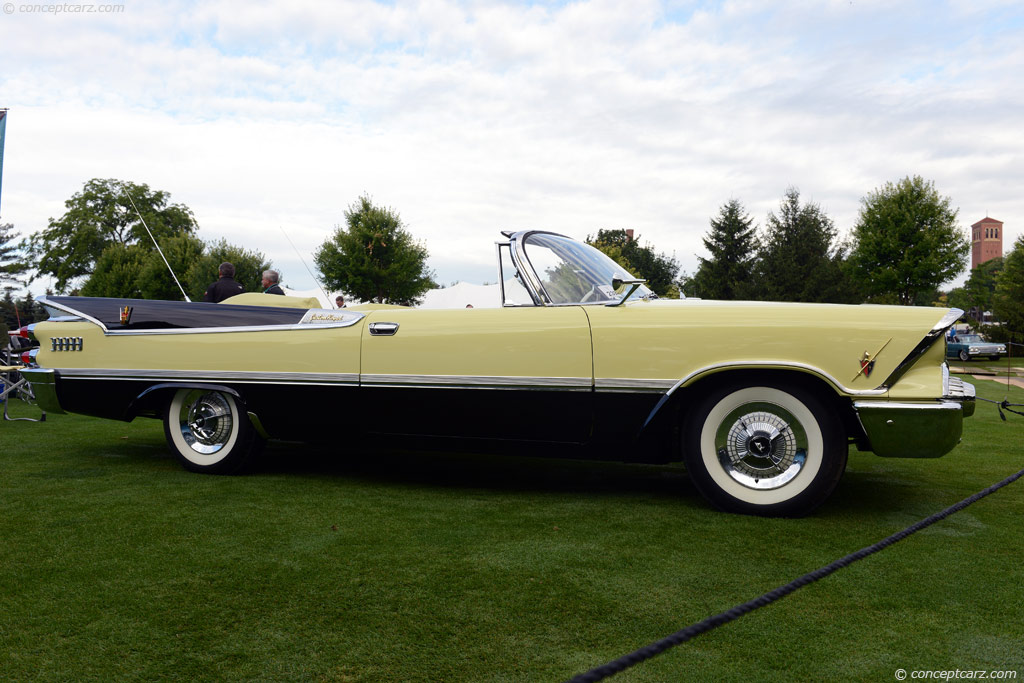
761,446
206,422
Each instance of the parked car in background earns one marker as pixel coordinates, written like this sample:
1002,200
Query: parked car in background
968,346
760,400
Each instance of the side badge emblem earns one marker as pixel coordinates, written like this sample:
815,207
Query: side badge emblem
867,364
867,361
126,315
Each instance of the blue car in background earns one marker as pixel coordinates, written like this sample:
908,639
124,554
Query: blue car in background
968,346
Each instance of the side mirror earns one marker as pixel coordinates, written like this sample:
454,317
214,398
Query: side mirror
618,282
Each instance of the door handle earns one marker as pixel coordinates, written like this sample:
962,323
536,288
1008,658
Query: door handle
383,329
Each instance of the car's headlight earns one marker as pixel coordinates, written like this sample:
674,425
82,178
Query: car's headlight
973,349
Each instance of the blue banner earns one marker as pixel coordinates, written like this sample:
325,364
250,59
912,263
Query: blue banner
3,129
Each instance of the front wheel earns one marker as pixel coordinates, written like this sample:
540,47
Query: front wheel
207,431
764,450
964,356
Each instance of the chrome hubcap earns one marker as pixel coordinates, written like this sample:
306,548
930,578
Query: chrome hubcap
761,446
206,422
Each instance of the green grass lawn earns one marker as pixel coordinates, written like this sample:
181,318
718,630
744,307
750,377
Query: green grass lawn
321,565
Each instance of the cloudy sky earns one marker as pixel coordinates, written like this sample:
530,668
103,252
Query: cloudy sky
473,117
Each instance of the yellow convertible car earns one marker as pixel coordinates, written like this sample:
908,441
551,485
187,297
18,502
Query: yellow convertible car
759,400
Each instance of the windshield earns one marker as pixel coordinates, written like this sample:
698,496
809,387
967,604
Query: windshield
970,338
575,273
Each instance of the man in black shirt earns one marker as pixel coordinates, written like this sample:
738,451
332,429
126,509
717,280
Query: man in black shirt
225,287
270,279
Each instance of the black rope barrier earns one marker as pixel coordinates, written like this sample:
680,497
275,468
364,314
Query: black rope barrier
690,632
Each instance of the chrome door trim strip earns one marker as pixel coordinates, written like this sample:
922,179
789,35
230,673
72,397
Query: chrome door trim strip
630,384
474,381
332,379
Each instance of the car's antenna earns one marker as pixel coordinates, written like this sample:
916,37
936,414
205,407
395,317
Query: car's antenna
327,297
159,251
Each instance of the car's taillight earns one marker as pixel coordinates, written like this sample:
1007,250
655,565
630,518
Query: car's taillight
26,358
23,331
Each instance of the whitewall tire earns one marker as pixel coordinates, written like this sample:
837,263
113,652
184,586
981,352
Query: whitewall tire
764,450
208,432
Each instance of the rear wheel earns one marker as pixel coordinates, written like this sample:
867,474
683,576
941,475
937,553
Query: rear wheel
764,450
208,432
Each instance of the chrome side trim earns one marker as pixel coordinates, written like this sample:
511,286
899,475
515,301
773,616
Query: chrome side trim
333,379
629,384
934,335
314,319
472,381
328,379
947,320
776,365
75,315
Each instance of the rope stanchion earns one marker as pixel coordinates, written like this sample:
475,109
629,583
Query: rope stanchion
690,632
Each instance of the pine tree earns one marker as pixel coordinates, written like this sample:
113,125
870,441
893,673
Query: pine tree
799,258
10,266
732,243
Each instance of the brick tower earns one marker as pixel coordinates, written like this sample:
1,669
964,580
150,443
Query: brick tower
986,241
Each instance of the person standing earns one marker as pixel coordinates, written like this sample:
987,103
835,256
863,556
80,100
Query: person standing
225,287
270,282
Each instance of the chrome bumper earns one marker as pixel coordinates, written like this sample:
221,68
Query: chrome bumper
44,386
917,430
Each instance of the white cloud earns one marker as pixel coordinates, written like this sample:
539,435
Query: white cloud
473,117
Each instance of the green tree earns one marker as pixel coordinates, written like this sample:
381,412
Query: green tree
98,217
659,270
249,267
799,257
906,241
10,264
15,313
732,243
374,258
8,318
1008,299
117,272
978,293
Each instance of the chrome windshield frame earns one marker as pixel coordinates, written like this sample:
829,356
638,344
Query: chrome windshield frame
532,282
